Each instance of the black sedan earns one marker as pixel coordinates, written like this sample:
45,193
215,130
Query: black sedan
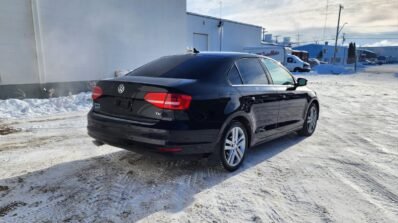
204,104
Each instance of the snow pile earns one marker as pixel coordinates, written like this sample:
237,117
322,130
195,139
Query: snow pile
15,108
333,69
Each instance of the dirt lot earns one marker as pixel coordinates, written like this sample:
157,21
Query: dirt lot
346,172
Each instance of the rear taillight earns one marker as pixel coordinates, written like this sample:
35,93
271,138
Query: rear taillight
169,101
96,93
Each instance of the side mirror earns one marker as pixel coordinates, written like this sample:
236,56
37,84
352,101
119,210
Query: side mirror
301,82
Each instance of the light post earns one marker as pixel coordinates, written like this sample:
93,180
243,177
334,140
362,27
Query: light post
337,34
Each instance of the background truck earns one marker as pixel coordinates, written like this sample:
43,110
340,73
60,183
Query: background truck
281,54
303,55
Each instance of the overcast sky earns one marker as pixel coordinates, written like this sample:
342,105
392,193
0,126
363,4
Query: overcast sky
369,22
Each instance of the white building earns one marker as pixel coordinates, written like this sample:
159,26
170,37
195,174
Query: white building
52,41
207,33
64,44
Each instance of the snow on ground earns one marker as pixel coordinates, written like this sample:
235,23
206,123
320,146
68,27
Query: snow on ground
16,108
334,69
346,172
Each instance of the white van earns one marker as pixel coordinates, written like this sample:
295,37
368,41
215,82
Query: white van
295,64
281,54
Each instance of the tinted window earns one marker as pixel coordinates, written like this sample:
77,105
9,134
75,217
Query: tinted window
252,71
182,66
278,74
234,76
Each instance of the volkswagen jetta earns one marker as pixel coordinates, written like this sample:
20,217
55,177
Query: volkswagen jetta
217,104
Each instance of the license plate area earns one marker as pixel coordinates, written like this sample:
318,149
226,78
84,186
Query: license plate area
124,104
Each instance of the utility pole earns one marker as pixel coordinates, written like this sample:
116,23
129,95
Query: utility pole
264,32
298,39
337,34
276,38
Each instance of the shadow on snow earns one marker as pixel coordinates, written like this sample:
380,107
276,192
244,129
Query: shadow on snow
118,186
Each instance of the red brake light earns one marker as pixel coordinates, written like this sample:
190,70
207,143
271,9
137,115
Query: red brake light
169,101
96,93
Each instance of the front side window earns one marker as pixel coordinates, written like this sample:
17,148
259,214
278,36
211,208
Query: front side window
279,75
252,72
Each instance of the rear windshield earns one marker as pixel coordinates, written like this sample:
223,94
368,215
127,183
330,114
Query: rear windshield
182,66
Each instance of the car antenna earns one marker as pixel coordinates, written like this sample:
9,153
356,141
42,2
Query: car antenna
195,51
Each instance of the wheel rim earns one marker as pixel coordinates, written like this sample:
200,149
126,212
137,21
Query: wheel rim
311,119
234,146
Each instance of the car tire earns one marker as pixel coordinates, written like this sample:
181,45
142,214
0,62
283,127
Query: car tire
233,146
310,122
296,69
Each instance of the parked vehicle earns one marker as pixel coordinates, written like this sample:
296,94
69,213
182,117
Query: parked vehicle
206,104
281,54
302,54
323,62
313,62
381,60
295,64
369,62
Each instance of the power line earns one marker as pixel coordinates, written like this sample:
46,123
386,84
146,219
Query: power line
326,18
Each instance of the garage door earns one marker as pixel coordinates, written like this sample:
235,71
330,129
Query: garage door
201,41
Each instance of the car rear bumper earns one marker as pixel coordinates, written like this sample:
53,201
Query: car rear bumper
143,138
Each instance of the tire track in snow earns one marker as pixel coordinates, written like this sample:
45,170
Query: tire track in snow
372,191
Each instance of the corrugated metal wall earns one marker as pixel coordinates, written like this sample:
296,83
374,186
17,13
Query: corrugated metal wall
46,41
18,59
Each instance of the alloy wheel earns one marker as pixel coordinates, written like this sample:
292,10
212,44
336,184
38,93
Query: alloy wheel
234,146
312,119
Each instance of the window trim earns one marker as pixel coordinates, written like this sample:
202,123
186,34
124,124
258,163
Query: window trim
240,76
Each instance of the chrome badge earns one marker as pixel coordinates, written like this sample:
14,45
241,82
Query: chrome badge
120,88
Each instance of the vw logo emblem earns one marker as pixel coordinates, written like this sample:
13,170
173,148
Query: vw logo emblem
120,89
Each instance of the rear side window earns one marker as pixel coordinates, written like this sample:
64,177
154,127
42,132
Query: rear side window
234,76
278,74
182,66
252,72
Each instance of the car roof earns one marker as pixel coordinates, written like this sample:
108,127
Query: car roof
226,55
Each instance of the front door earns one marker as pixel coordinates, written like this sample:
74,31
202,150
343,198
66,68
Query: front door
293,101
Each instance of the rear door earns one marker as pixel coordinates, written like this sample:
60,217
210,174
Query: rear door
293,100
258,97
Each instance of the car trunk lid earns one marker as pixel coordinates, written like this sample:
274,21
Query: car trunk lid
124,97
